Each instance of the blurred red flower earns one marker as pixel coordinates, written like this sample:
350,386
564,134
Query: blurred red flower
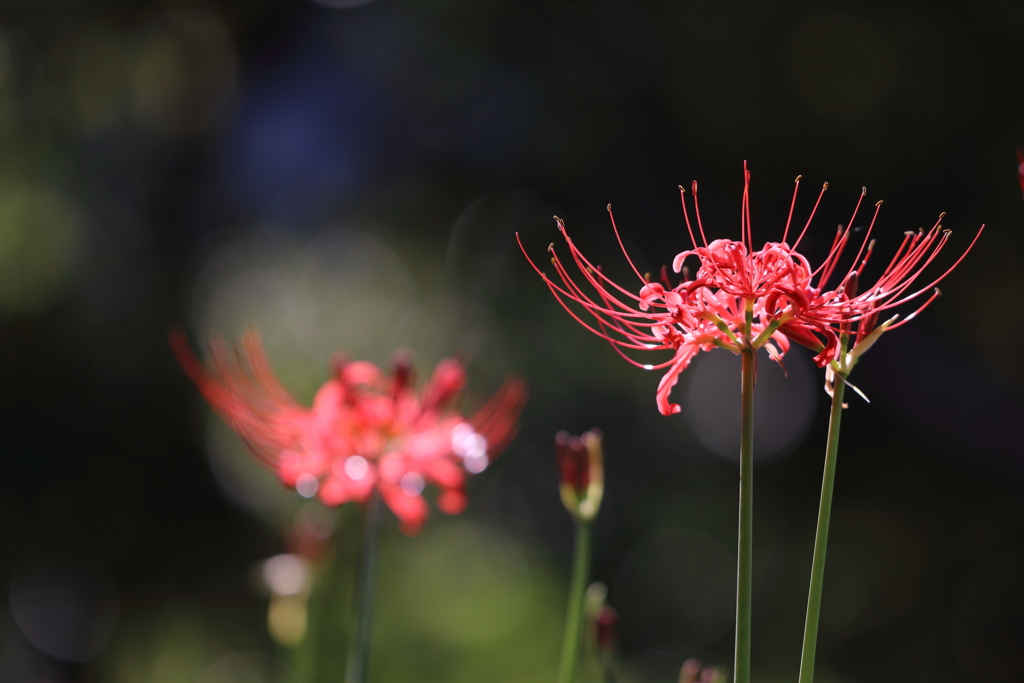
366,430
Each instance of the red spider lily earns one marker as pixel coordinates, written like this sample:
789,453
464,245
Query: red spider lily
722,306
365,430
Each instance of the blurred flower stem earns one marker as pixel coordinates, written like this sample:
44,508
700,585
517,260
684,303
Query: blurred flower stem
821,534
362,596
581,486
744,565
575,615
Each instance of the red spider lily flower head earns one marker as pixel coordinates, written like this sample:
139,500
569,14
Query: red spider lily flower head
844,322
721,306
581,473
365,431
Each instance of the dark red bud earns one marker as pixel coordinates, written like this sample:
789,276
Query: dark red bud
573,461
403,371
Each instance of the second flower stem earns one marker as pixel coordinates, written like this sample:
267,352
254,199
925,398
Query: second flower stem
744,566
574,616
362,595
821,535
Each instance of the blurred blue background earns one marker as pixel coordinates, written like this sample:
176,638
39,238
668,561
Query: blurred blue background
348,175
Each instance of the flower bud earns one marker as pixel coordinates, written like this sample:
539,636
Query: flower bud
581,473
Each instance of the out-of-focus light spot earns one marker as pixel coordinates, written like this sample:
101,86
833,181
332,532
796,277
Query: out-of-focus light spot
467,585
840,65
185,71
476,464
412,483
286,574
345,290
41,242
356,467
67,611
244,668
307,485
287,619
439,325
466,443
674,591
783,406
648,367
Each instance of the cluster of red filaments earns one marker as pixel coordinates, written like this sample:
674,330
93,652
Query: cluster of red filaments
741,299
366,430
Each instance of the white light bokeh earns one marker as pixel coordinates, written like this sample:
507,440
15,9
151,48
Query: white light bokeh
412,483
286,574
307,485
476,464
356,467
783,406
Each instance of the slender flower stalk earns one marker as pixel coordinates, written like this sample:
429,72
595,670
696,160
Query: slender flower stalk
744,554
581,484
364,586
821,535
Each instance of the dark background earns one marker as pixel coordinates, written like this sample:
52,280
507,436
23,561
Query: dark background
351,178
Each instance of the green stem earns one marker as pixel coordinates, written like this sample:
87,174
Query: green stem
362,597
744,553
821,535
574,616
